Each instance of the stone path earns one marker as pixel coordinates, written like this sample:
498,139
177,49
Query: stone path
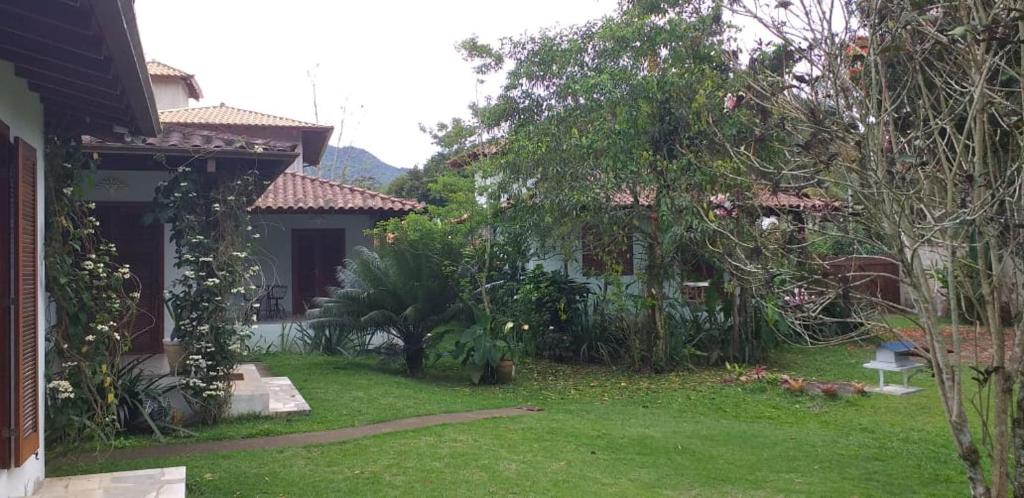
306,438
157,483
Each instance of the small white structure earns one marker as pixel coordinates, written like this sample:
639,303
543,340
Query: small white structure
895,356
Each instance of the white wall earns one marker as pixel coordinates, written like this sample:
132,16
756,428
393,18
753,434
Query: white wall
22,111
274,247
170,93
555,261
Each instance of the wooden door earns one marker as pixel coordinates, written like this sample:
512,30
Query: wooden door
316,255
141,247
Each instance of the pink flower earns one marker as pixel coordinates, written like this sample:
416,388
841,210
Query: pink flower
733,101
798,298
722,206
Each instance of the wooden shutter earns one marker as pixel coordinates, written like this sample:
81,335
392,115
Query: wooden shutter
6,298
26,312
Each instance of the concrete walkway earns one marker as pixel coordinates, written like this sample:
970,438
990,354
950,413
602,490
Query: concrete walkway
305,438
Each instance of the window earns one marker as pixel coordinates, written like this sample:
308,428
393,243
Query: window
606,253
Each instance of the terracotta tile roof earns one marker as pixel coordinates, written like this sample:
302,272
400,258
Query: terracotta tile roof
765,199
157,68
161,70
190,140
295,192
231,116
795,201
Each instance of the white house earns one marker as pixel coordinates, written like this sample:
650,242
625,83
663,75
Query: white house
78,66
306,225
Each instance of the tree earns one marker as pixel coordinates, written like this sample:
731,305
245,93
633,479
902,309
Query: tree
452,139
399,293
914,112
608,125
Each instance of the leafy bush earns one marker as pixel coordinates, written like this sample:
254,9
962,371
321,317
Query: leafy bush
395,294
484,343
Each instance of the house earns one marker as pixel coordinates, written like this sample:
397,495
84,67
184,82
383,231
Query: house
78,66
611,257
306,225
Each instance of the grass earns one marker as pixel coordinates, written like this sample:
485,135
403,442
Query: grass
604,432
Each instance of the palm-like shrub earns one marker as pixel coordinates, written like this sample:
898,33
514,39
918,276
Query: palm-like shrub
399,294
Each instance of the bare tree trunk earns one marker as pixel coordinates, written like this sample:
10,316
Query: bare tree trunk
947,379
655,278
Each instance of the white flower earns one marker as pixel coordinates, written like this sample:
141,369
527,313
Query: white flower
90,338
117,337
137,294
67,190
88,265
212,281
525,327
62,389
769,222
508,326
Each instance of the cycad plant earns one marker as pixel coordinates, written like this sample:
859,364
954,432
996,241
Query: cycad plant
397,294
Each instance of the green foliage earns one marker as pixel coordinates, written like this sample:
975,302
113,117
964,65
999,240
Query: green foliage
214,298
616,124
400,292
94,306
480,346
452,139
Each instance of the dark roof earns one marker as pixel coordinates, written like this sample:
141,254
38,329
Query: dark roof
180,140
298,193
85,61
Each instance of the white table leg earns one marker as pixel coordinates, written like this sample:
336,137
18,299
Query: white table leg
881,379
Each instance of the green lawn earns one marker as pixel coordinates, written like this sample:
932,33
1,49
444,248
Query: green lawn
603,433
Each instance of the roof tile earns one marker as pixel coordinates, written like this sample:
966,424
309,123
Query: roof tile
295,192
233,116
159,69
174,136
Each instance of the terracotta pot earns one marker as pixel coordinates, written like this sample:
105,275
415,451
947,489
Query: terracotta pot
175,353
505,371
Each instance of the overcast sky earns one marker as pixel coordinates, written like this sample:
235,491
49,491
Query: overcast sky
391,64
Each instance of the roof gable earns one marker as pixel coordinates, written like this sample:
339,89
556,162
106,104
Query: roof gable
158,69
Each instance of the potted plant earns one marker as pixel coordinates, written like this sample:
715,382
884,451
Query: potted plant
485,348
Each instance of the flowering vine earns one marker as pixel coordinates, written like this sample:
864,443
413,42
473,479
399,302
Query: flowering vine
93,304
213,301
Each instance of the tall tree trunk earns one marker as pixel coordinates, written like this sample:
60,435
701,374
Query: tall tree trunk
414,356
946,376
655,278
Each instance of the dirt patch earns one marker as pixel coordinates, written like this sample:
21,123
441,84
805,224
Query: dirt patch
976,344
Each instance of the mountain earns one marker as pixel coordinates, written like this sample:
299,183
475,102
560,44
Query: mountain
355,166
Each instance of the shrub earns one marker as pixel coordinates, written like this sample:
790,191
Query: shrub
398,294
